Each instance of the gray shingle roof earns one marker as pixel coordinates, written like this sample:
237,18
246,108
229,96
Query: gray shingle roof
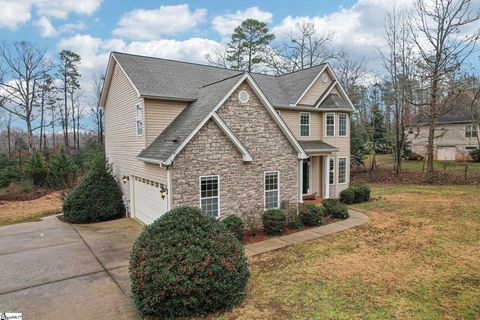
179,129
454,116
316,145
334,101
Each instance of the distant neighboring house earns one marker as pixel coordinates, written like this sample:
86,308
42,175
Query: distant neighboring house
224,140
455,136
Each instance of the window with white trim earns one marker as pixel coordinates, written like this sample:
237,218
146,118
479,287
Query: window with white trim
470,131
272,190
342,124
304,124
139,119
331,170
342,170
330,124
210,195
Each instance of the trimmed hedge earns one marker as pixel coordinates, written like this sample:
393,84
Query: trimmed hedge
96,198
274,221
235,225
187,263
348,196
311,215
335,208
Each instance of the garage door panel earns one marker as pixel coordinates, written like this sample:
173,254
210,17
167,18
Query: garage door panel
148,206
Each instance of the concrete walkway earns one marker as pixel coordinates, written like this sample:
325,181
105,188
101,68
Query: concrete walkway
355,219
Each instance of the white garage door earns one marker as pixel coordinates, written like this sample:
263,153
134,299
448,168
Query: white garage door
446,153
148,205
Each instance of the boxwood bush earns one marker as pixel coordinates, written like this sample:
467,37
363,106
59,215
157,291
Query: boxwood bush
96,198
362,194
187,263
335,208
274,221
311,215
348,196
235,225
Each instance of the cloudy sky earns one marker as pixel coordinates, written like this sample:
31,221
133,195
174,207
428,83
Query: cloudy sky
183,30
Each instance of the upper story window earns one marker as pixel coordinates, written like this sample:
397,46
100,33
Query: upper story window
210,195
330,124
304,124
342,124
139,120
272,190
342,170
470,131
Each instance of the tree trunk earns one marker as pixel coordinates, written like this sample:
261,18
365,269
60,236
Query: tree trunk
431,124
65,116
41,119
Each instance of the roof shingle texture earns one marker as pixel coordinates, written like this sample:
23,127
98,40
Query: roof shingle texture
316,145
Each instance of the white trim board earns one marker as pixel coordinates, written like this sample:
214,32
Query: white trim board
311,84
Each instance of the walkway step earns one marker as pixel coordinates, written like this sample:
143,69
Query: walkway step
355,219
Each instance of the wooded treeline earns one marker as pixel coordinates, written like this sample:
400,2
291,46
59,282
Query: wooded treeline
44,94
429,58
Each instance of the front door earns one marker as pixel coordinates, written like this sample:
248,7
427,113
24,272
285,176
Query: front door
306,175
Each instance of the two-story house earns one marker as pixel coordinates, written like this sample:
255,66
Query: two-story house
224,140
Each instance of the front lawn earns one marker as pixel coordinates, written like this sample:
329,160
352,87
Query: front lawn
417,258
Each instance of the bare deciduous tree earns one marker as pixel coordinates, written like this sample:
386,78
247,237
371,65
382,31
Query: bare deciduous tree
96,110
438,32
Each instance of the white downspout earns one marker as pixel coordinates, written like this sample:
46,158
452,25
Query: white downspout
326,177
300,181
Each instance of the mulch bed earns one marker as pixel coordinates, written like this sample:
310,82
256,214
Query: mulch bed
248,238
14,193
387,176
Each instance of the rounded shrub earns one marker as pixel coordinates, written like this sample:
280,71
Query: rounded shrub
347,196
311,215
362,194
335,208
187,263
96,198
235,225
274,221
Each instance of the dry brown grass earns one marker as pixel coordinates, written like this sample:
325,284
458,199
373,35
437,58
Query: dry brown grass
417,258
30,210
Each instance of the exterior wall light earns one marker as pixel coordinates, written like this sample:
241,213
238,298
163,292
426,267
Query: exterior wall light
163,191
125,179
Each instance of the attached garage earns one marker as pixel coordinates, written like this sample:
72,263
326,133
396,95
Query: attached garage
446,153
148,205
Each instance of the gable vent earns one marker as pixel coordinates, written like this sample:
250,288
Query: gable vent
243,96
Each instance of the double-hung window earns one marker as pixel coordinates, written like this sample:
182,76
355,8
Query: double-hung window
330,124
342,124
331,170
304,124
470,131
272,190
210,195
139,119
342,170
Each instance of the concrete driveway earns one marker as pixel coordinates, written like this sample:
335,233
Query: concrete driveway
54,270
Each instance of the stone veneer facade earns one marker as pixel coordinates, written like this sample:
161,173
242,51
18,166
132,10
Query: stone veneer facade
211,152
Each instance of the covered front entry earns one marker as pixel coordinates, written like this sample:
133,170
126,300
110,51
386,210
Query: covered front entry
147,203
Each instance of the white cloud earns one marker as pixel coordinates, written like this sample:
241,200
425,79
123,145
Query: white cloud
142,24
225,24
47,30
14,13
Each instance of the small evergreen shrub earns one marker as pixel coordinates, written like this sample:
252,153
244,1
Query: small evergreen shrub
311,215
96,198
9,171
235,225
335,208
187,263
475,154
292,211
362,194
274,221
36,169
62,171
347,196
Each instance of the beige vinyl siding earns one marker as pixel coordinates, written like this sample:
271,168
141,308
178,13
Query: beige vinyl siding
158,115
316,90
343,144
292,119
447,135
315,175
122,144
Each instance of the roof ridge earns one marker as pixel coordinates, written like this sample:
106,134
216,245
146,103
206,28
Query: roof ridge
227,78
315,66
